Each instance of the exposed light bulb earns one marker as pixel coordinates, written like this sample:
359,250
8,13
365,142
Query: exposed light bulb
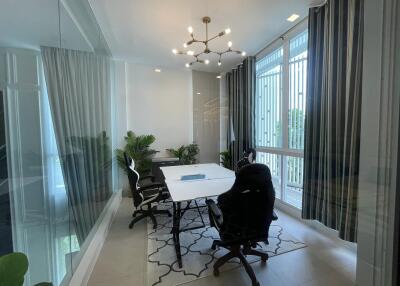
190,29
185,45
243,54
229,44
207,62
190,53
175,51
187,65
219,63
227,31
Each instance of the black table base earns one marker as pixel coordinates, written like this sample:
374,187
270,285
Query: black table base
178,213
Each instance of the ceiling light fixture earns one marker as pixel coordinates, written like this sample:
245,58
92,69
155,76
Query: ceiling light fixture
206,20
218,76
293,17
157,70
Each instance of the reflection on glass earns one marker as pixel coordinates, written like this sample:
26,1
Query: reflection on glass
273,162
293,190
297,90
269,100
55,129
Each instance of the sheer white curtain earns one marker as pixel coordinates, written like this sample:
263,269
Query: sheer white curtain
79,91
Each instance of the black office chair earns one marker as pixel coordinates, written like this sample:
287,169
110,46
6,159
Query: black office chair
146,195
249,157
243,216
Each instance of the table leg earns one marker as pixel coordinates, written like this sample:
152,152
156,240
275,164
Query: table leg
176,231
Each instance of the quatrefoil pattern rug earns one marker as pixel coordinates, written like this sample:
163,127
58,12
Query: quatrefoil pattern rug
197,256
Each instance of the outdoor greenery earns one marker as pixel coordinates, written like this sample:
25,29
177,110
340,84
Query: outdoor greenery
186,153
296,127
13,268
138,148
226,159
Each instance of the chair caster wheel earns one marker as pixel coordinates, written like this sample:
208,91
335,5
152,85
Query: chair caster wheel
130,225
264,259
216,272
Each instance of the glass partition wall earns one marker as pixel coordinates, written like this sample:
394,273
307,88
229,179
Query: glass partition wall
56,133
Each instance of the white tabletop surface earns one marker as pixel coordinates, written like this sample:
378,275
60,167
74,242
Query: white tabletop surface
217,181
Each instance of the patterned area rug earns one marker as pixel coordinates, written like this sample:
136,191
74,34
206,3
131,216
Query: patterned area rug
197,256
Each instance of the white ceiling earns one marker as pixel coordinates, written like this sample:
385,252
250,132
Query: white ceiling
145,31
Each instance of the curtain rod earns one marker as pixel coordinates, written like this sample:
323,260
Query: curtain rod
281,37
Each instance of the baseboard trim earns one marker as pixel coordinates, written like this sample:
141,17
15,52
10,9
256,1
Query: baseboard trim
86,265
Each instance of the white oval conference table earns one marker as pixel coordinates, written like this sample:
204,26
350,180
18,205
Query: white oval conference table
215,181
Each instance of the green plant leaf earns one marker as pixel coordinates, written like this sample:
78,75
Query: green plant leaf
138,148
226,159
13,267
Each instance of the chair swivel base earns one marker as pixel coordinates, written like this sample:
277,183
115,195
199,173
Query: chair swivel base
150,212
239,252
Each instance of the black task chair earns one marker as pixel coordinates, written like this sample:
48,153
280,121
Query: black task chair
144,196
243,216
249,157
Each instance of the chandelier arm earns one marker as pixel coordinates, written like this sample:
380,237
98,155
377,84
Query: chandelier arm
217,53
216,36
199,54
236,51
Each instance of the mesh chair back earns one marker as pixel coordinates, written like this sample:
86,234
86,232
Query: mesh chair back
133,177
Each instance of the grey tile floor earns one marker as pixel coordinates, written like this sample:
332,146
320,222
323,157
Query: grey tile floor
325,261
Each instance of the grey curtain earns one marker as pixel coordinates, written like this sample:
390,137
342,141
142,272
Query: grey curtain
333,113
79,86
241,88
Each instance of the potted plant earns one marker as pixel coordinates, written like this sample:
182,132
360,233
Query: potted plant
13,268
186,153
226,159
138,148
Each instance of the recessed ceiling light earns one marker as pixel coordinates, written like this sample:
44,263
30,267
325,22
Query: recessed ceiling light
157,70
198,93
293,17
218,76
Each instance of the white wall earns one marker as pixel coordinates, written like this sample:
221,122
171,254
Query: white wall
160,104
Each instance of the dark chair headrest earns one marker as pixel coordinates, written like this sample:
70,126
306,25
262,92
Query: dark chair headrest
252,152
256,175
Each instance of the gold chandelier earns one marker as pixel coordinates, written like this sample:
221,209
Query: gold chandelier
206,51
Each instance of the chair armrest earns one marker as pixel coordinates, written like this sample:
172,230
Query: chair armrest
274,216
151,177
154,185
215,213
